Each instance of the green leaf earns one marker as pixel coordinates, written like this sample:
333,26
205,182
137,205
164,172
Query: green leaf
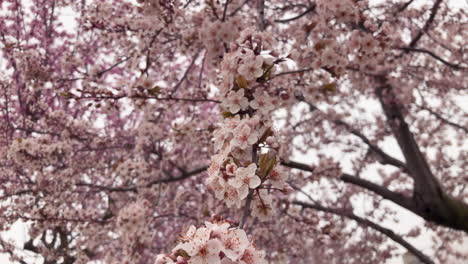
241,82
66,94
183,253
155,90
266,134
329,87
227,114
266,163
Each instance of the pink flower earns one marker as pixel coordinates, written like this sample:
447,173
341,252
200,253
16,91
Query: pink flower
251,69
233,122
220,135
232,196
201,248
217,229
228,261
215,244
252,256
236,101
217,184
244,137
262,102
231,169
329,57
216,163
163,259
245,179
234,243
262,207
277,178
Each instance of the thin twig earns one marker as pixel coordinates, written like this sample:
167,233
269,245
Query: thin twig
432,54
261,14
177,86
444,120
225,10
246,211
308,10
233,13
148,185
291,72
426,26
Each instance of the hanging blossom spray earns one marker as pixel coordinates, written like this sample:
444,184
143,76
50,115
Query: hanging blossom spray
244,171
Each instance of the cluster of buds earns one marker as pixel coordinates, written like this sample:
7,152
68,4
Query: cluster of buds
246,146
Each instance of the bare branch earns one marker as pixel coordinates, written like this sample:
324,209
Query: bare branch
261,14
225,10
135,188
384,157
233,13
397,198
432,54
426,26
404,6
429,198
176,87
308,10
297,165
444,120
365,222
291,72
246,210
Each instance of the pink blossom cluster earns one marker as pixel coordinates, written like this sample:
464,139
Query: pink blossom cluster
366,45
132,225
250,58
216,34
36,152
216,243
247,149
340,10
34,72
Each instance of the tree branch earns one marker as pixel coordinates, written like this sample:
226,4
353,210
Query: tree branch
365,222
308,10
181,177
291,72
261,14
297,165
176,87
431,201
432,54
225,10
426,26
404,6
233,13
385,158
246,210
397,198
444,120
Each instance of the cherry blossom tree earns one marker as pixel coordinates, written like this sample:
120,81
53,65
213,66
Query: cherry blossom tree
233,131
